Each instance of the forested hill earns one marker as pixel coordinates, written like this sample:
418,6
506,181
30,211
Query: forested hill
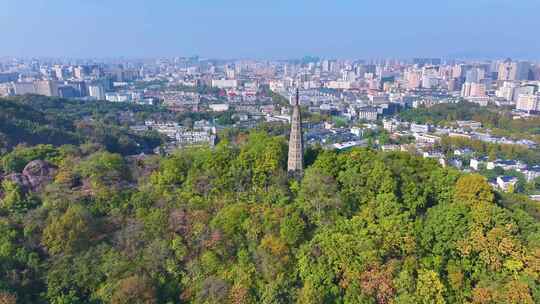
226,226
36,119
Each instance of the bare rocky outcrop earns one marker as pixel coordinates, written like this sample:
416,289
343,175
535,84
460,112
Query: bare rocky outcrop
19,179
34,176
39,173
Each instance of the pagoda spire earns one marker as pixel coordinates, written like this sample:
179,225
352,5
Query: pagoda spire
295,164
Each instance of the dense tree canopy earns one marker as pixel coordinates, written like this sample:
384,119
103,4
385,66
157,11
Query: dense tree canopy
226,225
36,120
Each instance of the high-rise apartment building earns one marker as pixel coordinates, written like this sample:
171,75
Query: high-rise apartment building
528,103
79,72
46,88
60,72
471,89
506,91
512,70
97,92
22,88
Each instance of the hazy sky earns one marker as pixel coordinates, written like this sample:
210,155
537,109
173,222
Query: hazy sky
270,28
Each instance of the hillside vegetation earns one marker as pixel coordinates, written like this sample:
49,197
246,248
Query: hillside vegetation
35,120
227,226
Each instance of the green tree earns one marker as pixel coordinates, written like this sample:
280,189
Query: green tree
319,197
70,232
21,155
429,288
473,188
134,289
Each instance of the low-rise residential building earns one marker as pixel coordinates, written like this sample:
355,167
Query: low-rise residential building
117,97
535,197
506,165
475,163
459,134
531,173
349,144
389,125
507,183
194,138
368,113
419,128
426,138
392,125
469,124
456,162
387,148
219,107
432,154
463,152
225,83
357,131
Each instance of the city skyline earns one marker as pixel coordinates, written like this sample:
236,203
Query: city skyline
277,30
235,151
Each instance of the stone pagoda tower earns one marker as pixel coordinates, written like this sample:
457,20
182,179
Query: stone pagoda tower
296,142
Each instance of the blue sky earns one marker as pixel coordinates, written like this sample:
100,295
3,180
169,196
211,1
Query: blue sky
270,28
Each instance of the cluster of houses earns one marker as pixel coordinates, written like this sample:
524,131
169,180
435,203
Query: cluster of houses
426,133
202,134
506,183
425,136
